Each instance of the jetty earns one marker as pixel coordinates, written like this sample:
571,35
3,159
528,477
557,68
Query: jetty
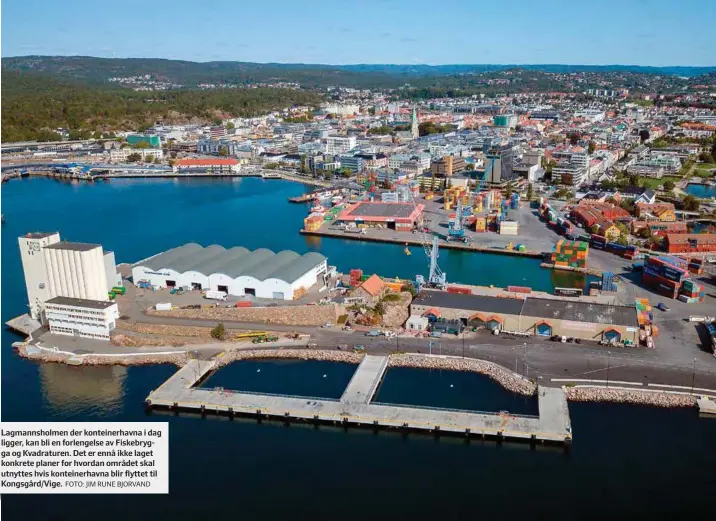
408,240
356,408
23,324
707,407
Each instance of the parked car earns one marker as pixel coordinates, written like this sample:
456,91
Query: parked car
347,328
327,325
373,332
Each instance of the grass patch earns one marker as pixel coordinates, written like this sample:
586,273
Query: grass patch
342,319
391,297
649,182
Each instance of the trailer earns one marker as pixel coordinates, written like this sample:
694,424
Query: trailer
215,295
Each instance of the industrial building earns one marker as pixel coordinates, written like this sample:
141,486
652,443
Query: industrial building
236,271
394,216
500,162
54,268
81,317
68,285
538,316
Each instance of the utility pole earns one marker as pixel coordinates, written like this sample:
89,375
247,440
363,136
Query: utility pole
693,377
524,362
430,346
463,344
609,354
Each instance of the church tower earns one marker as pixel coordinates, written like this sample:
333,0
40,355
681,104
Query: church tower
414,124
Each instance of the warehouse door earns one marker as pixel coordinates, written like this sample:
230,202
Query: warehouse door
225,289
278,295
390,225
493,324
171,283
544,330
196,285
250,291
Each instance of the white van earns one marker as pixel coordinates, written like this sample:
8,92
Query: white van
215,295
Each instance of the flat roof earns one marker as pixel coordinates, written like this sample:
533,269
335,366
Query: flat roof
484,303
81,302
381,211
580,312
74,246
38,235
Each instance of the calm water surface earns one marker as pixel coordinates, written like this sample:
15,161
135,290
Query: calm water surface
700,190
625,463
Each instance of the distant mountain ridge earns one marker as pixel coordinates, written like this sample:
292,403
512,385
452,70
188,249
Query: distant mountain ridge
190,73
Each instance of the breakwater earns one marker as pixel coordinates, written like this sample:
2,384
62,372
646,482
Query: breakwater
630,396
300,354
47,355
507,379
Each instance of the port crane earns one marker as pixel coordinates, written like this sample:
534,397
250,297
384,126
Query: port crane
436,277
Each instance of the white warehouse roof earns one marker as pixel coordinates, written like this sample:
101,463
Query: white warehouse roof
235,262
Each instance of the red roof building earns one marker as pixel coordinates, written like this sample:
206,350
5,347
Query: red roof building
690,242
397,216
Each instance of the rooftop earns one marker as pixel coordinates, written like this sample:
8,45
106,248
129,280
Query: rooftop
382,211
38,235
81,302
443,299
235,262
580,311
73,246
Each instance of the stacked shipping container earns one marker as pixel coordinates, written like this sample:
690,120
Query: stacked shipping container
570,253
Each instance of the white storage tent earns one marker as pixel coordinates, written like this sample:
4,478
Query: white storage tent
237,271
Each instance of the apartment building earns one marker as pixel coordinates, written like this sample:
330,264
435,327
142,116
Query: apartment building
121,155
337,145
447,166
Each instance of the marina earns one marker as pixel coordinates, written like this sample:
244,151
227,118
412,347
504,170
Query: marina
355,407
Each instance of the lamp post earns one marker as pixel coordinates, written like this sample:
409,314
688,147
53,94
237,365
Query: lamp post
609,354
693,377
463,344
524,361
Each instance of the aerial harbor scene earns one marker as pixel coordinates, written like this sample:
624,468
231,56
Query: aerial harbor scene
367,291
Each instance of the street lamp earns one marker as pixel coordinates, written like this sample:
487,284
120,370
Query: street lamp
463,343
524,361
609,354
693,377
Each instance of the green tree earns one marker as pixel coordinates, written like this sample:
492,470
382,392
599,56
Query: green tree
271,166
595,228
219,332
134,157
141,145
592,146
691,204
347,172
423,186
223,151
230,125
669,186
157,161
470,166
379,309
622,240
530,192
508,191
644,233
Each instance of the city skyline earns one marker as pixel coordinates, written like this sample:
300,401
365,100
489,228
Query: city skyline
647,33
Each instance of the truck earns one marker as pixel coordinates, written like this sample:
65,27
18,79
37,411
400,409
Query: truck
215,295
119,290
373,332
390,334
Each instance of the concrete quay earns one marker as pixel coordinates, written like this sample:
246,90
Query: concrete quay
411,241
355,407
707,407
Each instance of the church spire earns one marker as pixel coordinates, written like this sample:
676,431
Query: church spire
414,123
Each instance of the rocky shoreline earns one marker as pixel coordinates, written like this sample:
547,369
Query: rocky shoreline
499,374
630,396
299,354
178,359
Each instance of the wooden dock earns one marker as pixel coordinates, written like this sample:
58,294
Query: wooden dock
355,408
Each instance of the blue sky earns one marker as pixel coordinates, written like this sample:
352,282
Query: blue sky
642,32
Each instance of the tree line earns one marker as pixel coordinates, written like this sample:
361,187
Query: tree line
34,106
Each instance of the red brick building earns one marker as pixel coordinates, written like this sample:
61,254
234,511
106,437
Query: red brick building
690,242
590,213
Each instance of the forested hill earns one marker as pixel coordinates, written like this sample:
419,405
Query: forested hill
190,74
33,105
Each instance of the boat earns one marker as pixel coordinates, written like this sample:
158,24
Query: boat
407,251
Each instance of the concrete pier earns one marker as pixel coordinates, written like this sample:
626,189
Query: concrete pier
355,407
707,407
23,324
365,380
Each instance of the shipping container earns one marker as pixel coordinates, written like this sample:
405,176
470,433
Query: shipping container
243,304
519,289
163,306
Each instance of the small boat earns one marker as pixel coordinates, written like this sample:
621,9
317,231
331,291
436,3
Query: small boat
407,251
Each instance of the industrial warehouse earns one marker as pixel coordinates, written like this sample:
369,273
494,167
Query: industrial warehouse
396,216
537,316
236,271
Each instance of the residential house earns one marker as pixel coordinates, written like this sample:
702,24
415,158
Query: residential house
661,211
371,290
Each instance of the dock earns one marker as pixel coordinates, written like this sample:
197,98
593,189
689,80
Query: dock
356,408
23,324
410,241
707,407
